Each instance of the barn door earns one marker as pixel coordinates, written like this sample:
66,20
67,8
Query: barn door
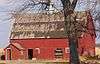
8,54
30,53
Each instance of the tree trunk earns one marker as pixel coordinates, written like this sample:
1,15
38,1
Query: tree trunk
74,59
71,33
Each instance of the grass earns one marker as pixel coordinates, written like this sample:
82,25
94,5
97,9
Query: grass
56,63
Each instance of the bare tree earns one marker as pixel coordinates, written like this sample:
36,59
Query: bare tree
70,29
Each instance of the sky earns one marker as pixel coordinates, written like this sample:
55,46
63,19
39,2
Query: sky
5,23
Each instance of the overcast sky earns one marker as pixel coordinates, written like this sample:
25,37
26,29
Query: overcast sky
5,25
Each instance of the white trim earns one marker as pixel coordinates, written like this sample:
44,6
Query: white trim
67,50
7,53
8,48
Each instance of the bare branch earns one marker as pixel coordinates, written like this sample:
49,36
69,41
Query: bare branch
74,4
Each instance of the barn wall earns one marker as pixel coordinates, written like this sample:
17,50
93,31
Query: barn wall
15,53
89,44
47,46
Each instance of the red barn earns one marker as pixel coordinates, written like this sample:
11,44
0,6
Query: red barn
34,36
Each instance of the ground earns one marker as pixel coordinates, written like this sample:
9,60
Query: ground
43,62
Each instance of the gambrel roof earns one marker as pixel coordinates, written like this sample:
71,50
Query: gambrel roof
43,25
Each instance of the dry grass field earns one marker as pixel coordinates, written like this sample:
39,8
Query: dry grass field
44,62
33,62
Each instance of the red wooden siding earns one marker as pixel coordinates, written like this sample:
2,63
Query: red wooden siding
47,46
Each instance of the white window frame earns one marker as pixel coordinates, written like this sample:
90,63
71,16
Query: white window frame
38,50
67,50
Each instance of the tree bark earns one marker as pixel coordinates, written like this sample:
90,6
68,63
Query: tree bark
74,59
70,29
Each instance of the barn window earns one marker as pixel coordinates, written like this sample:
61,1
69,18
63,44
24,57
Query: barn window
38,50
58,53
67,50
